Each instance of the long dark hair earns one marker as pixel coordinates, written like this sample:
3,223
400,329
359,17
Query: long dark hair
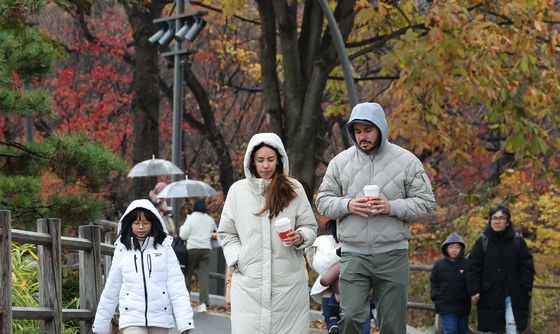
126,234
281,191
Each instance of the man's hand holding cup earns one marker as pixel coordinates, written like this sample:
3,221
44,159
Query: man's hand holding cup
377,203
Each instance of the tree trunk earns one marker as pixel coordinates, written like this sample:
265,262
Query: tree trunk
306,66
145,103
210,130
269,78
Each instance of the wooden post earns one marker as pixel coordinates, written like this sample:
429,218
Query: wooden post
50,276
90,273
438,325
107,259
5,273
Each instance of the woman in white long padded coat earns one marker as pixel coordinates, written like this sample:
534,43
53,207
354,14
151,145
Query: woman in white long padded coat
269,291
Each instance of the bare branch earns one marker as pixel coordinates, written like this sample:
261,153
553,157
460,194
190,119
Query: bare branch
217,10
23,148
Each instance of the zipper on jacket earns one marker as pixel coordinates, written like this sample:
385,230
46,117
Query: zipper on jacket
135,264
145,287
149,258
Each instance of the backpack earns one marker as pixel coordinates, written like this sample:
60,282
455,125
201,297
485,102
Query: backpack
180,249
516,241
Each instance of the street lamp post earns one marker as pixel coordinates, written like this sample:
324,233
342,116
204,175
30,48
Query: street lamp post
182,27
341,50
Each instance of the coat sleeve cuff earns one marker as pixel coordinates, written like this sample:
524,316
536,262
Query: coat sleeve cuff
106,329
395,208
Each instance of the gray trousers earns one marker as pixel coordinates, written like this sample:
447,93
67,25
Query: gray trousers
387,275
199,259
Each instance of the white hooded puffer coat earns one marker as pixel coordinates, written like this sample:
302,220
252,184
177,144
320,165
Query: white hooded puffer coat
269,291
147,284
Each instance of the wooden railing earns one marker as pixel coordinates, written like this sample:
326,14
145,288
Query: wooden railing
94,257
50,243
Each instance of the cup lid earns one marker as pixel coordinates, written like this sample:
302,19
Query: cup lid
283,220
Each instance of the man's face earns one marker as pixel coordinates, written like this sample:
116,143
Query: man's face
367,136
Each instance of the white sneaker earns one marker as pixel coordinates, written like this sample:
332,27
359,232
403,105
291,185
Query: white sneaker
201,308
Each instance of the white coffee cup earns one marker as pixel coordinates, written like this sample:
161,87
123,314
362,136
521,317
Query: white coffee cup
283,226
371,190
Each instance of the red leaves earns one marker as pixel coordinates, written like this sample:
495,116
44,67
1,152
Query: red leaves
95,102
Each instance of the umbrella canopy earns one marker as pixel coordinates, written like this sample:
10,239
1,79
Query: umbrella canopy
187,188
154,167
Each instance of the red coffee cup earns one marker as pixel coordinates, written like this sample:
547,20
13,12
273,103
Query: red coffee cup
283,227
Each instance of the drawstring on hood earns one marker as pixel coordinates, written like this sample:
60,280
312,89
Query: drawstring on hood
372,114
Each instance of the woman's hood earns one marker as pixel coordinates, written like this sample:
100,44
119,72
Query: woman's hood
270,139
142,203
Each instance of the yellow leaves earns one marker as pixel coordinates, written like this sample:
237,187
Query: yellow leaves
231,7
435,35
361,4
231,50
553,42
523,65
538,25
363,16
448,15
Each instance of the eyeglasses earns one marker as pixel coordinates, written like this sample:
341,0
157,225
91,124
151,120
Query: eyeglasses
142,223
501,218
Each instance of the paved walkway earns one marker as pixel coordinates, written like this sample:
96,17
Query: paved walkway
217,323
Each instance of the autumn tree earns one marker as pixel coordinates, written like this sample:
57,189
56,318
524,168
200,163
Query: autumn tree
26,57
459,79
117,40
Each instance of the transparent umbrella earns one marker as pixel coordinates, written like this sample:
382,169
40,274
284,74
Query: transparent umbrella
154,167
187,188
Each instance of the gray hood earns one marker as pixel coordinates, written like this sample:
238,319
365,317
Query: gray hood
452,238
270,139
370,113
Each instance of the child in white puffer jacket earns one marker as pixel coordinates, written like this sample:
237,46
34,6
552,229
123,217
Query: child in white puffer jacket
145,278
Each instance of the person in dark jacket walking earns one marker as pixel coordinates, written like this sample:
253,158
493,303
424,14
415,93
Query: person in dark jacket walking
500,276
449,286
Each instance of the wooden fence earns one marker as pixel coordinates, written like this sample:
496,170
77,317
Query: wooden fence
50,243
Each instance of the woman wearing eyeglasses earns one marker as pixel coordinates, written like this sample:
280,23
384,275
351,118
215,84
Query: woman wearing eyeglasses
500,277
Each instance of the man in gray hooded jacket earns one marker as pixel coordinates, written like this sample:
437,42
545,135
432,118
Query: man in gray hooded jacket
374,231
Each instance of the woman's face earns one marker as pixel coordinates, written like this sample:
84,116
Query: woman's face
265,161
498,221
141,227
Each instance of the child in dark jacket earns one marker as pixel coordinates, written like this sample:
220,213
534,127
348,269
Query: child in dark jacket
449,288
